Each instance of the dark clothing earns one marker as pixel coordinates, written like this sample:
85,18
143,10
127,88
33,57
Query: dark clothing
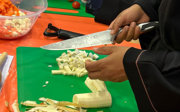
110,9
154,74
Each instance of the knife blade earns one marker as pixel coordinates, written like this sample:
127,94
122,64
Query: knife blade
3,57
94,39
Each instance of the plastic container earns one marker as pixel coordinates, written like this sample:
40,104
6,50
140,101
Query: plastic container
12,27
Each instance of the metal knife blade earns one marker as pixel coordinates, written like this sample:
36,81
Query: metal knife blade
94,39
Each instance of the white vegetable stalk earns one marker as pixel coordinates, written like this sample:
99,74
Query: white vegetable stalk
93,100
73,63
100,97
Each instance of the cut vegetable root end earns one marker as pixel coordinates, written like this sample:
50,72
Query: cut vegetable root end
100,97
95,85
93,100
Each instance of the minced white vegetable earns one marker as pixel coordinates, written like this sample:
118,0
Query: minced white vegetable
73,62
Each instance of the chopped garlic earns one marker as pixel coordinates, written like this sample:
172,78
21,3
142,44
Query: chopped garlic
47,82
18,26
15,106
15,34
30,102
49,65
73,62
95,56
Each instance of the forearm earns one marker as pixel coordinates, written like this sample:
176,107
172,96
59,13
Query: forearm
150,7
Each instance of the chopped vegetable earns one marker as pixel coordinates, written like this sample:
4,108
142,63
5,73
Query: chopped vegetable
15,27
15,106
12,27
47,82
49,65
73,63
8,9
44,86
49,105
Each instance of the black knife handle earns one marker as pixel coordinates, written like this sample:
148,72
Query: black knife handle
64,34
148,26
144,27
52,31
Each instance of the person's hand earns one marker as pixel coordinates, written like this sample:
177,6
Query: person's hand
110,68
131,16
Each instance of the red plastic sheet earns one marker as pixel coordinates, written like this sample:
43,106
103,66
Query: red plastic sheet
36,39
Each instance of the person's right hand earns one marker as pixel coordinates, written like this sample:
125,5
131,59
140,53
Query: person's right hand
131,16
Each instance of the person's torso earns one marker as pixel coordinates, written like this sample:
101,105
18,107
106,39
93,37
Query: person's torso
169,29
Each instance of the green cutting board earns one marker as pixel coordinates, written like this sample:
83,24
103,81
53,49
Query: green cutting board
33,71
64,4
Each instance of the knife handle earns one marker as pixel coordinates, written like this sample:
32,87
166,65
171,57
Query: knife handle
144,27
52,31
3,57
148,26
64,34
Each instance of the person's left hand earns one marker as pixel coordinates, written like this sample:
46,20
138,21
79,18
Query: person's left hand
110,68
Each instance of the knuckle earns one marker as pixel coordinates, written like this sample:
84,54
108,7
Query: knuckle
87,67
102,64
115,24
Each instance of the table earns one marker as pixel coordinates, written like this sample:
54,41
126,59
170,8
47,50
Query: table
35,38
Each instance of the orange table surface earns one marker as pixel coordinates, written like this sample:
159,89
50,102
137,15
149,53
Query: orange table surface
35,38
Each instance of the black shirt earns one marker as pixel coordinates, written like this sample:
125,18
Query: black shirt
154,73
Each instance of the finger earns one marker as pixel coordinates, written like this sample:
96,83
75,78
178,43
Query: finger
111,25
89,61
95,75
131,31
121,36
116,25
93,66
105,50
137,33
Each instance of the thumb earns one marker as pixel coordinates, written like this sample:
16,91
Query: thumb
105,50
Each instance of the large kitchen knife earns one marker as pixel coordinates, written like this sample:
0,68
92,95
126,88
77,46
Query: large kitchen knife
95,39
